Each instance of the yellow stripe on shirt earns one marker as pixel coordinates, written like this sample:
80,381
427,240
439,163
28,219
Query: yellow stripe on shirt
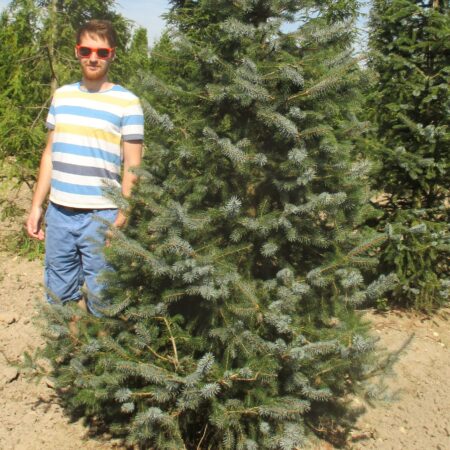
88,132
98,97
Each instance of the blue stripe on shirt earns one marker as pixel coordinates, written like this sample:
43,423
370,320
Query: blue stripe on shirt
133,120
84,171
92,152
76,188
90,113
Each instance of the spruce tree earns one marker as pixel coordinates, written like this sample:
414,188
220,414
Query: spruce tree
231,322
409,107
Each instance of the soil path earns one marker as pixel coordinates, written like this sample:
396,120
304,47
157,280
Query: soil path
31,418
420,418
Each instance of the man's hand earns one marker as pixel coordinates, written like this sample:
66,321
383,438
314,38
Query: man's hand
34,221
34,224
120,222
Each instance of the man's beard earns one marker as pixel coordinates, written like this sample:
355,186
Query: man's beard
96,75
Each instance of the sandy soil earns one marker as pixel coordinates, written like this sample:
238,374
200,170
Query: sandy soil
420,418
31,418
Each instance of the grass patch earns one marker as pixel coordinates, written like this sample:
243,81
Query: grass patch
15,198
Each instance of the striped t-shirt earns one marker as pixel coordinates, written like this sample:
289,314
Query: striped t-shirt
89,128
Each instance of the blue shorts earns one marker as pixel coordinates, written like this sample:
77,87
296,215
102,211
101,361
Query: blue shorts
74,242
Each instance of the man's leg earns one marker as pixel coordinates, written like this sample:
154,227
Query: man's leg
91,245
63,276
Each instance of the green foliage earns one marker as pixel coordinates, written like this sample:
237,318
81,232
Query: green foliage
21,244
417,250
21,99
12,201
409,107
231,321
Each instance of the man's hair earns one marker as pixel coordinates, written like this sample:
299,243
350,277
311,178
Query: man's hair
102,28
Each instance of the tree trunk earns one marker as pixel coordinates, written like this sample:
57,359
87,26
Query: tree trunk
53,15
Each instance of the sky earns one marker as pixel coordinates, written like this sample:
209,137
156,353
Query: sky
146,13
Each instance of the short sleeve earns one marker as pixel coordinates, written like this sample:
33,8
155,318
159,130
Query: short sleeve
51,119
133,122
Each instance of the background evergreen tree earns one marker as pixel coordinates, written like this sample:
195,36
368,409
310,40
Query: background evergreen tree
232,321
137,59
22,101
409,106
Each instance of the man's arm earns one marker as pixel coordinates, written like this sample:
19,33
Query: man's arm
132,156
34,221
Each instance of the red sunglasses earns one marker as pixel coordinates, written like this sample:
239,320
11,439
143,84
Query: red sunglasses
102,53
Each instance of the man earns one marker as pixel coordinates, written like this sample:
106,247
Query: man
93,125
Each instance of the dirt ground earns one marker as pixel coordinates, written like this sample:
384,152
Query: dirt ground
31,418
